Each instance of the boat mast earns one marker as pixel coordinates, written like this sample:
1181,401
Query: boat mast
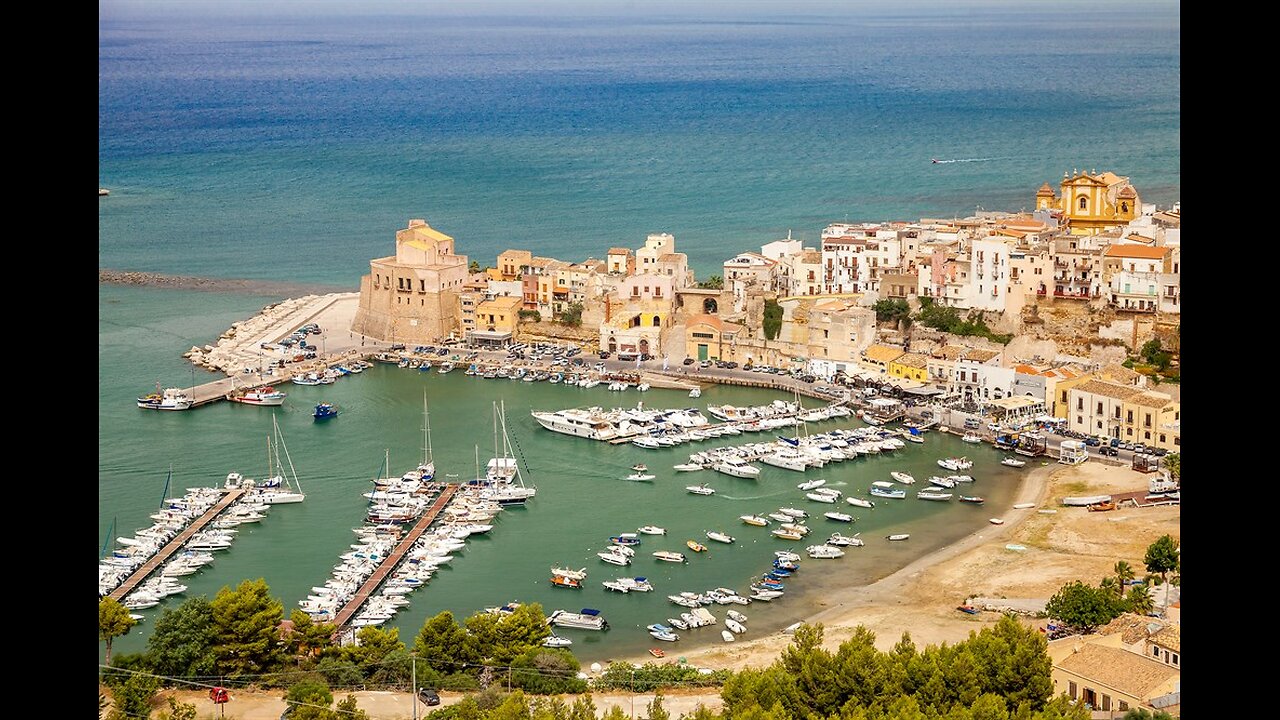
428,455
495,437
165,493
280,438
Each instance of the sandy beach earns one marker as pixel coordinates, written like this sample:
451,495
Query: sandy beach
921,598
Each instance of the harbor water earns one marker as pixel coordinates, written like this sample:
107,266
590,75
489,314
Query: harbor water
582,497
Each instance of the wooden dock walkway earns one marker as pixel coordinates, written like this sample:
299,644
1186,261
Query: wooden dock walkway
392,560
174,545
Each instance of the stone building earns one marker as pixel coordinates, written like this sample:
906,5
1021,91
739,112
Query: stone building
412,296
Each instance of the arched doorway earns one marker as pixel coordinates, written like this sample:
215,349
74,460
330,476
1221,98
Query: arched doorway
613,344
657,321
709,306
644,346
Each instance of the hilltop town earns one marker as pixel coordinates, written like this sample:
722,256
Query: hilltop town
1071,310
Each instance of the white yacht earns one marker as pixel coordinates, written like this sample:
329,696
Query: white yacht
588,619
579,423
737,467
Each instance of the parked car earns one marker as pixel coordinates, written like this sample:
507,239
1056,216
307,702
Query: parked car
429,696
604,354
704,364
688,361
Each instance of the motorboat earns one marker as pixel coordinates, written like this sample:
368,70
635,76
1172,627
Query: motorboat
734,626
945,482
1024,506
640,467
955,464
678,623
641,477
839,517
902,477
695,393
821,497
812,484
669,556
719,537
1013,462
325,411
787,534
859,502
737,617
687,467
896,494
564,582
614,558
845,540
824,552
972,499
754,520
926,495
726,635
555,641
702,489
571,574
996,521
793,512
624,539
665,634
695,546
898,537
652,530
588,619
736,467
786,555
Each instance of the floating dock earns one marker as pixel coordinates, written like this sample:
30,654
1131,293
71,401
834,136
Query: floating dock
392,560
176,544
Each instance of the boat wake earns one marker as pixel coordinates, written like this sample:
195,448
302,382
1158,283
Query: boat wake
936,161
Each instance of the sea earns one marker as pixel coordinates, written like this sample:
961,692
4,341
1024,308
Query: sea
288,144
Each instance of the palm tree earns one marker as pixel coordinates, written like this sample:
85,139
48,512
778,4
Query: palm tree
1124,573
1140,600
1108,585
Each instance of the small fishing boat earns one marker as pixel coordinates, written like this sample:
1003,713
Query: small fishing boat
726,635
669,556
624,539
696,546
859,502
325,411
786,555
687,467
821,497
735,626
555,641
914,439
824,552
1013,462
702,489
926,495
973,499
786,534
971,437
845,540
653,530
719,537
754,520
955,464
657,652
267,396
967,609
896,494
640,477
640,467
839,517
170,399
996,521
902,477
899,537
1102,506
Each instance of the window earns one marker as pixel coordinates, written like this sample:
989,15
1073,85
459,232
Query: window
1130,416
1162,437
1064,396
1146,435
1175,658
1079,401
1099,424
1079,420
1123,706
1128,431
1084,203
1071,689
1106,702
1099,408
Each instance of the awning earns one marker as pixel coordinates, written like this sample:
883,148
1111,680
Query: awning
924,391
489,335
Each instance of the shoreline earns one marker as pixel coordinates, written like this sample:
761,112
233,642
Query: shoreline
885,592
137,278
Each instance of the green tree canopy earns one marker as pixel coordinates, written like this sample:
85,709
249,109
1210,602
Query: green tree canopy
894,309
572,315
1162,557
1082,607
113,621
1173,463
445,645
183,639
714,282
246,625
772,319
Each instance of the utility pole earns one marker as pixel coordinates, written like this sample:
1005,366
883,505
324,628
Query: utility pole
413,691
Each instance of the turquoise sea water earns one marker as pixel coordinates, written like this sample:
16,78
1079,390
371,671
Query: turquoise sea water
291,148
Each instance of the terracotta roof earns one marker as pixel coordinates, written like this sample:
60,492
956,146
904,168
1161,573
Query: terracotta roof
1130,250
981,356
1128,672
1151,399
1169,637
1127,192
948,352
670,257
1132,628
1120,374
619,251
882,353
1026,369
1107,389
1044,190
913,360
